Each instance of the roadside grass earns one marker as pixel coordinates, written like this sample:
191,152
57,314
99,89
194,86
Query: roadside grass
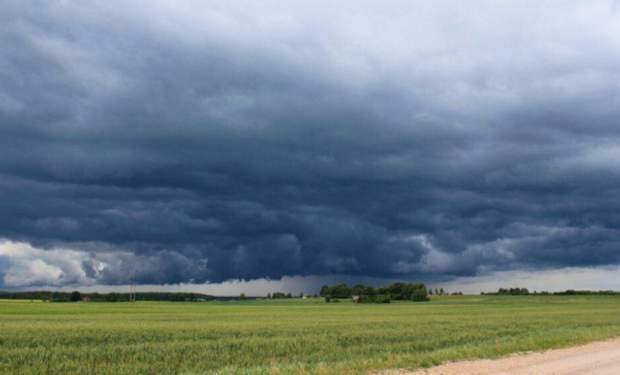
299,337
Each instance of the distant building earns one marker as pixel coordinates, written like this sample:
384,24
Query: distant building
85,299
305,296
355,299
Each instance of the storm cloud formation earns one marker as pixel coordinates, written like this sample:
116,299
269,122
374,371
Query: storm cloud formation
194,142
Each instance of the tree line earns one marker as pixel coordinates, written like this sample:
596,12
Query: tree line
279,295
570,292
398,291
513,291
109,297
438,292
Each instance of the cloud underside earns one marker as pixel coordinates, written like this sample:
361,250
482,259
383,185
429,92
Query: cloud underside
192,143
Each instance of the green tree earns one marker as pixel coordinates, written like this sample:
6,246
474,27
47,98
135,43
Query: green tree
398,290
340,291
419,295
358,290
324,291
76,296
369,291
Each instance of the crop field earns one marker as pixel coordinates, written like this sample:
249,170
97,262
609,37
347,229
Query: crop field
289,336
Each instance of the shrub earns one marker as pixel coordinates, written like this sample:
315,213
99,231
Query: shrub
419,296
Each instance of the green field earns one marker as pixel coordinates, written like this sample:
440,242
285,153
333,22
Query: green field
289,336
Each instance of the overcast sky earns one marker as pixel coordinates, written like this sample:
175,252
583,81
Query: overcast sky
191,142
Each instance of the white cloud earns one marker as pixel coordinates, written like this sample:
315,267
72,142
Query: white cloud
30,266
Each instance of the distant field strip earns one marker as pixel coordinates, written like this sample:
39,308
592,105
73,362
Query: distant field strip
289,336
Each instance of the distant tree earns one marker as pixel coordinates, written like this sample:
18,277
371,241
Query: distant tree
513,291
430,292
340,291
398,290
419,295
242,296
358,290
519,292
76,296
369,291
289,295
411,288
328,299
268,295
441,292
324,291
437,292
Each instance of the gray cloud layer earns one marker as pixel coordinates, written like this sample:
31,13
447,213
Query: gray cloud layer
188,142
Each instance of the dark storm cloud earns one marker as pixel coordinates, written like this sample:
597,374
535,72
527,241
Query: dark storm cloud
194,143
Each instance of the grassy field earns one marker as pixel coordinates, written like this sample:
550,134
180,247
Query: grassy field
289,336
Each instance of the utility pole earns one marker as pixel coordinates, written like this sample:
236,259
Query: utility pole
132,290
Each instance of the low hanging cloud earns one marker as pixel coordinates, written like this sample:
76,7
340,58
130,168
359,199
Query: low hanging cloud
188,143
25,266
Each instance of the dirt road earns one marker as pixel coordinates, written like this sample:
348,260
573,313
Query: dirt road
601,358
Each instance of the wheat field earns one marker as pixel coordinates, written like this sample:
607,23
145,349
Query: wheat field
289,336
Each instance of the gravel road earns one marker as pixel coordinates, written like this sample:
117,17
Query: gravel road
601,358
